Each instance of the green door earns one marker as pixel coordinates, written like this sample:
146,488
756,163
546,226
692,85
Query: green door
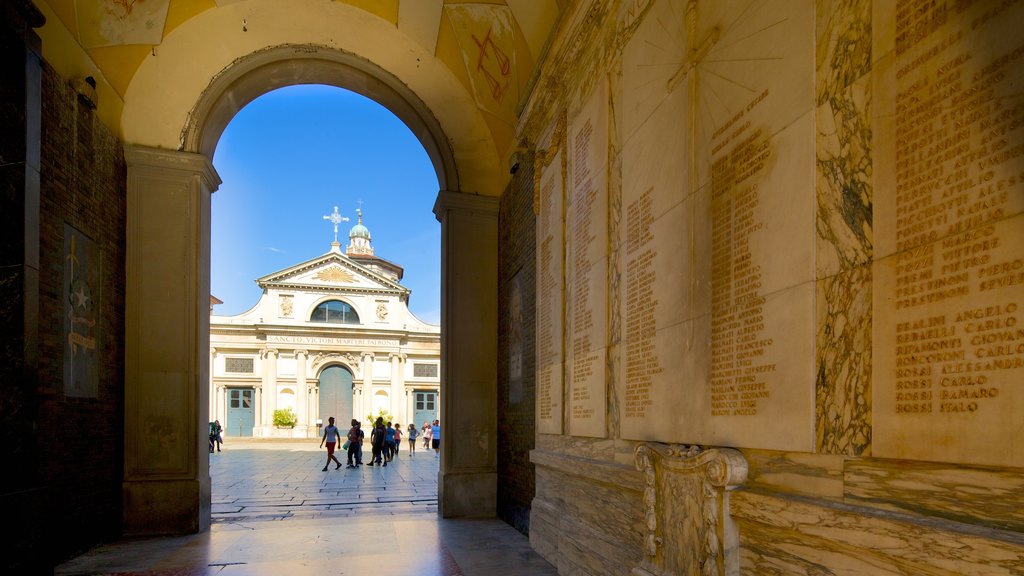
336,396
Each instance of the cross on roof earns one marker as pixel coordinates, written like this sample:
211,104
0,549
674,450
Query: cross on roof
336,219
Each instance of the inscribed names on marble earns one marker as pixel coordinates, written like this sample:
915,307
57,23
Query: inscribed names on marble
587,256
755,97
949,275
655,238
550,276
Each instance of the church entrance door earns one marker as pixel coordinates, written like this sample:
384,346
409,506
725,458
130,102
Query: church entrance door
241,414
336,396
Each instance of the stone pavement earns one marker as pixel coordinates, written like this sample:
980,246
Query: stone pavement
275,512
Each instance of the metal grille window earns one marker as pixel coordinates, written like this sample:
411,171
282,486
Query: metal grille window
424,370
238,365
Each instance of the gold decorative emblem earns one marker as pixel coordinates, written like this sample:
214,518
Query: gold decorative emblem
334,274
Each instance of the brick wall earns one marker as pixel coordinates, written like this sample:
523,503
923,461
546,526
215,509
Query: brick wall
82,183
516,396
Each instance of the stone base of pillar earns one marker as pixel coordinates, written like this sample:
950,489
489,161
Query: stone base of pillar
162,507
468,494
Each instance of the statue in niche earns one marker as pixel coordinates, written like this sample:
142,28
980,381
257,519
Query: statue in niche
687,526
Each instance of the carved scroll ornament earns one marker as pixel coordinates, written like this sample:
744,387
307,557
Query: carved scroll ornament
687,527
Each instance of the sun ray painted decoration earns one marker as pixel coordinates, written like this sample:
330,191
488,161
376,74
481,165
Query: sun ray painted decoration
121,22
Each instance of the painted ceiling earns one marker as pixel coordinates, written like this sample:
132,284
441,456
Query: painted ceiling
491,46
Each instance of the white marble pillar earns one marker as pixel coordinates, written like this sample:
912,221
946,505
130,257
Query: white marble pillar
365,406
221,399
166,488
397,394
301,403
212,387
269,389
467,483
257,402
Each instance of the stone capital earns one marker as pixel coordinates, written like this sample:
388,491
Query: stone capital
156,160
449,201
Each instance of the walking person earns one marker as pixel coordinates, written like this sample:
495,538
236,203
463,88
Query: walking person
330,437
426,435
398,438
377,443
389,442
217,437
353,444
413,433
435,438
359,443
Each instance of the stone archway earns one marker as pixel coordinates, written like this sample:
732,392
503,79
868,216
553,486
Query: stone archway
169,262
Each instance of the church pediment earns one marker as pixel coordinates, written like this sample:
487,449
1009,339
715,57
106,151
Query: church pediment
333,272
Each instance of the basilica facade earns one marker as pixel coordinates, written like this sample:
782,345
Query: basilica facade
331,336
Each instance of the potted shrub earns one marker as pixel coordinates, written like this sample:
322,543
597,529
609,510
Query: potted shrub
285,418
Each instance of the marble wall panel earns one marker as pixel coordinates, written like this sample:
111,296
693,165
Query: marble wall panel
815,475
587,257
981,496
550,282
758,72
843,367
790,535
949,276
762,378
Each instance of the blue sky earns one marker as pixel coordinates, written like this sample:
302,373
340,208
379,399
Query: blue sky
292,155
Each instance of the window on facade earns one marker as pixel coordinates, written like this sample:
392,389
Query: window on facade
238,365
335,312
425,400
424,370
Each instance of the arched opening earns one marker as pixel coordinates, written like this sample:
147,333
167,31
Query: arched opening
169,191
334,312
336,395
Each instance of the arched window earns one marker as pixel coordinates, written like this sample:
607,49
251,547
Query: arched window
335,312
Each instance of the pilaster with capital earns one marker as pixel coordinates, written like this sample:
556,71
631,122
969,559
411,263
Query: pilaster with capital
397,386
363,407
468,483
269,386
301,400
167,234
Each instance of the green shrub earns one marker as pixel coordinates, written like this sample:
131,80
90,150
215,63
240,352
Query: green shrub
285,418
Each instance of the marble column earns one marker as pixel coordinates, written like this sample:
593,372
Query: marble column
257,403
269,389
167,483
300,387
467,483
397,385
221,399
212,389
365,406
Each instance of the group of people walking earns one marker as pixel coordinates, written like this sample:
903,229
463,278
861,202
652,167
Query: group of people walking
385,441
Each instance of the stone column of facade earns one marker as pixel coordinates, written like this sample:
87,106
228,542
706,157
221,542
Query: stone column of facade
269,390
221,411
467,483
166,484
364,407
213,389
397,386
257,403
300,388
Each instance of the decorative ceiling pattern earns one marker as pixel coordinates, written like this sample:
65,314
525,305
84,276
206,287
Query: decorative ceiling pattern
491,46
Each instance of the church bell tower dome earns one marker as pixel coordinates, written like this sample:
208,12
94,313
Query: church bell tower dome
359,237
